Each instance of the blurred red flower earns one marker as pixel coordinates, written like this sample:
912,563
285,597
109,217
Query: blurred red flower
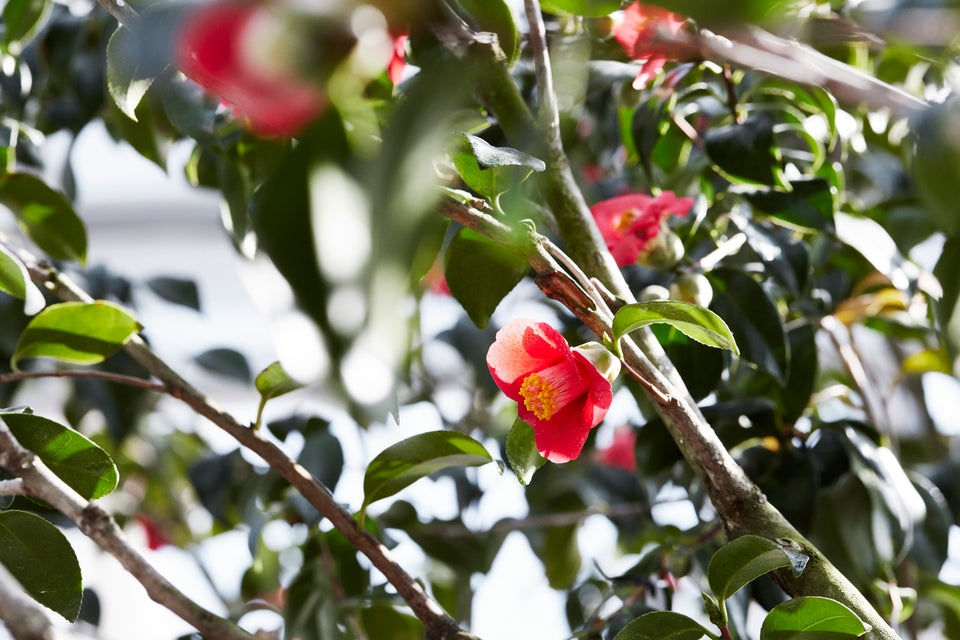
640,36
630,222
210,52
398,61
620,453
559,392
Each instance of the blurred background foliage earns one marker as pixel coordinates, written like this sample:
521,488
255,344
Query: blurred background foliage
826,230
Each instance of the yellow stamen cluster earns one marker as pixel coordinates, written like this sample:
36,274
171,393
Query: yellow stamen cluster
539,396
625,220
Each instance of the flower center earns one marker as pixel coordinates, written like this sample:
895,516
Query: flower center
548,391
625,220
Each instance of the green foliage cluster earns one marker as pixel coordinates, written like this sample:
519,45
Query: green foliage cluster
824,234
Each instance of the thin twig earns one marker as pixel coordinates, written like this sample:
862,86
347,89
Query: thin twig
126,15
12,487
98,525
130,381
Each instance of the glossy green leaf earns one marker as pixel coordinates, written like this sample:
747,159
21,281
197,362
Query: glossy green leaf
80,463
22,21
694,321
42,561
480,273
400,465
386,622
808,203
581,7
746,152
15,280
741,561
522,451
491,171
811,618
662,625
753,319
45,215
77,332
272,382
126,81
181,291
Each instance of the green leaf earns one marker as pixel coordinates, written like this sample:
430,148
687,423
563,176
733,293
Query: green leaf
581,7
746,152
272,382
561,556
77,332
480,273
936,165
179,291
522,451
381,621
811,618
42,561
662,625
741,561
45,215
726,13
22,20
126,81
808,203
491,171
753,319
15,280
400,465
694,321
80,463
496,16
229,363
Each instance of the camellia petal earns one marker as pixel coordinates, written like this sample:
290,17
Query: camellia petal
629,222
641,35
559,392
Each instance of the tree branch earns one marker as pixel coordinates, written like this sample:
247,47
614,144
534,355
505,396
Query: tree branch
739,502
99,526
439,625
12,487
126,15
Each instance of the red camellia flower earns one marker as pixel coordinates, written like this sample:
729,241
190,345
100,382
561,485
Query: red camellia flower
559,392
210,51
629,222
638,35
620,453
398,61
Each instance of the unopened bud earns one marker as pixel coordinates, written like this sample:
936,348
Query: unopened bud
606,363
663,252
653,292
692,287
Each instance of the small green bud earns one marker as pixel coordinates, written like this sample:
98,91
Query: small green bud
663,252
692,287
